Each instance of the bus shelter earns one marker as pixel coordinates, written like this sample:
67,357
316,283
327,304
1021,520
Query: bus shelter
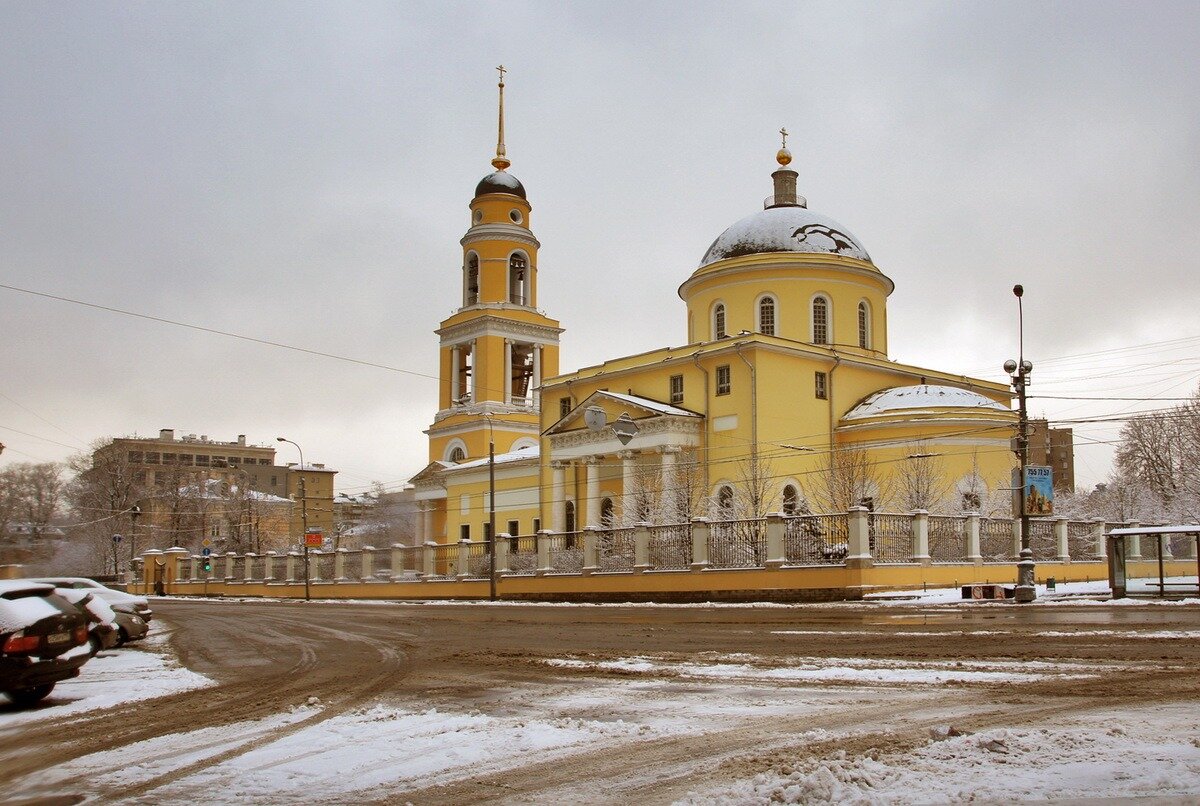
1118,544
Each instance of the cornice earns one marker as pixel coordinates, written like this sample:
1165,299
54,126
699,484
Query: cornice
789,262
494,325
499,231
665,424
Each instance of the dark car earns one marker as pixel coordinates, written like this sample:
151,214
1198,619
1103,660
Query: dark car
43,639
118,600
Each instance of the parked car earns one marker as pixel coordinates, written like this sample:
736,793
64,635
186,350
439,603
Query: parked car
103,632
43,639
130,627
118,600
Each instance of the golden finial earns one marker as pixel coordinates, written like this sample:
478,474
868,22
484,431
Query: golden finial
501,161
784,156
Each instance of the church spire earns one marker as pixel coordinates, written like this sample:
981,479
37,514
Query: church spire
501,161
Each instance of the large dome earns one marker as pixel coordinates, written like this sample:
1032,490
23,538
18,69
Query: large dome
500,182
921,397
785,229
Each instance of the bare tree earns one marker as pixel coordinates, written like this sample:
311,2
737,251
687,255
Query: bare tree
848,479
921,480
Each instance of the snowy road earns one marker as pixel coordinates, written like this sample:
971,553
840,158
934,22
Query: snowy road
337,703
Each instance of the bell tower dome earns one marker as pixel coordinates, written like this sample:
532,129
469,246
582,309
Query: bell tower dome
497,346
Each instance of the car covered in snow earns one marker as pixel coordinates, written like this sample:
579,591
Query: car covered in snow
102,619
43,639
118,600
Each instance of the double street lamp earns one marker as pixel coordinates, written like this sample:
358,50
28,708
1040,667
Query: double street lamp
1019,374
303,512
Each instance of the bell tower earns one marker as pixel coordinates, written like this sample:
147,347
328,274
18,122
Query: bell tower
497,346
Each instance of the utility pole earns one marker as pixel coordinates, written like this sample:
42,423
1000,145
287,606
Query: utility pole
491,509
303,512
1019,371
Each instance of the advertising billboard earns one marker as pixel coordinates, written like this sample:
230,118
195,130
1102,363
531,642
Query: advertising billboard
1039,490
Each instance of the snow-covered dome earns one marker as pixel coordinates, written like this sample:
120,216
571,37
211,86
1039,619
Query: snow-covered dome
785,229
500,182
922,396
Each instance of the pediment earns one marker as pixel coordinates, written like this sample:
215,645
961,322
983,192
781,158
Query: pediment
614,405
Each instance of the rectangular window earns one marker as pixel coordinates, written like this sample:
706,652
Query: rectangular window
564,406
464,531
487,531
723,380
514,527
151,458
676,389
202,460
821,385
261,461
274,481
537,525
135,457
168,458
184,459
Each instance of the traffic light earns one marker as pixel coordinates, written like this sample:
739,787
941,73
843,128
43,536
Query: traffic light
207,565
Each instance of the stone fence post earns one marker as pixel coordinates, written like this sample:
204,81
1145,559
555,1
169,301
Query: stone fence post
972,530
699,544
641,547
1099,541
230,556
428,559
920,537
368,563
250,558
501,546
269,566
1133,544
398,559
542,541
314,565
591,550
290,565
464,559
1016,532
339,564
1060,539
859,550
776,552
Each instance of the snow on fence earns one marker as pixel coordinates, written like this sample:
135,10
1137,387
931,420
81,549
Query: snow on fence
671,546
816,539
615,548
807,540
738,544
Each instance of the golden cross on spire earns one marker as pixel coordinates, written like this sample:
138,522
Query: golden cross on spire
783,131
501,161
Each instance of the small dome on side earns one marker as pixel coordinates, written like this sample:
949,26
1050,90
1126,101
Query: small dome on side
500,182
921,396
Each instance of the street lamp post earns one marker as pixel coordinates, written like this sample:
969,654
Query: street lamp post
303,513
1019,372
134,512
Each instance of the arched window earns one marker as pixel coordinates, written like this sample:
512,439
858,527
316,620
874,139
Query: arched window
766,316
458,455
725,501
606,512
518,280
820,320
864,325
791,500
718,328
570,516
471,287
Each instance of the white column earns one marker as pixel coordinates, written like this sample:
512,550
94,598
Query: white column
591,464
535,392
426,523
474,369
670,495
628,458
422,535
558,496
508,364
455,366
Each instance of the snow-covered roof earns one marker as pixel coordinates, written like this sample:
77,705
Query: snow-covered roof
519,455
653,405
784,229
922,396
28,605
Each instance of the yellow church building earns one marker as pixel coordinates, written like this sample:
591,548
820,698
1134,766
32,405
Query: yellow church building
782,400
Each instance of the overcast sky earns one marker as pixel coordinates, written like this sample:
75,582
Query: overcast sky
300,173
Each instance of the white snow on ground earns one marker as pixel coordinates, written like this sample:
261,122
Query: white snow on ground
114,676
862,671
1127,754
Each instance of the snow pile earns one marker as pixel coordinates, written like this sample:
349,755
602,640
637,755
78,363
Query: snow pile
999,764
17,614
860,671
